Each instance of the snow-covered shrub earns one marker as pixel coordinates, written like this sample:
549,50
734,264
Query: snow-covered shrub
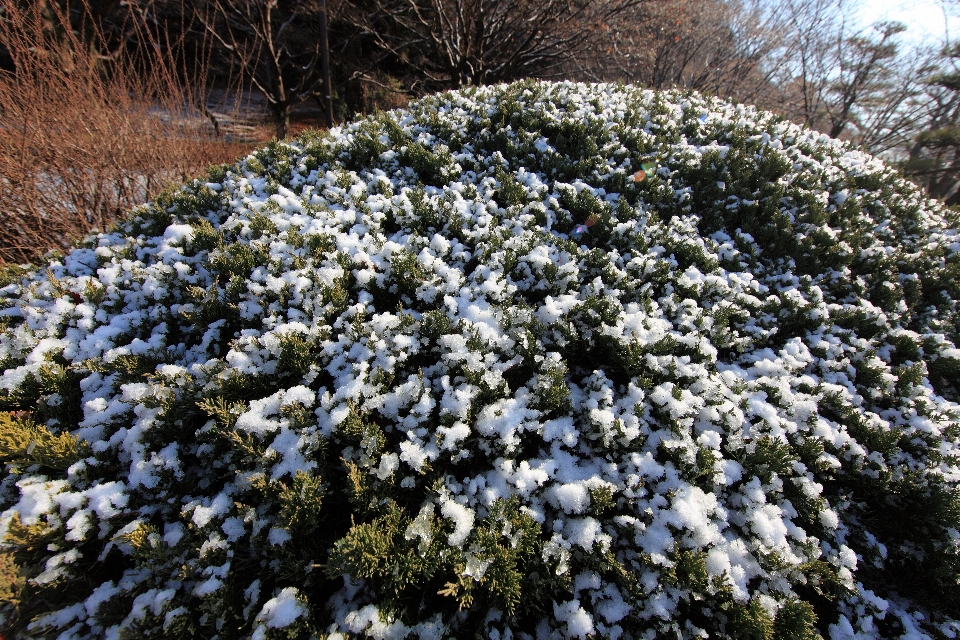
455,371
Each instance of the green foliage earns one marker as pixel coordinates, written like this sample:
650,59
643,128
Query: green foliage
552,392
11,274
380,551
510,192
499,567
750,622
273,161
796,620
194,200
237,259
300,504
51,392
223,411
510,542
430,165
295,355
380,380
407,273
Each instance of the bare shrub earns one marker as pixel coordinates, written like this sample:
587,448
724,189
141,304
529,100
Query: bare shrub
430,45
88,126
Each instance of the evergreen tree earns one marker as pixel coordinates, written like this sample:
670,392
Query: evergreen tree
934,161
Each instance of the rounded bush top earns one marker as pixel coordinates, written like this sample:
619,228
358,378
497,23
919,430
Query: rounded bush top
530,361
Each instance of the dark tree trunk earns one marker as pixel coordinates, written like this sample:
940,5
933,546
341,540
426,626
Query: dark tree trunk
281,120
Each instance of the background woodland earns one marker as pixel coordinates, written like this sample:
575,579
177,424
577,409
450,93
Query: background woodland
103,103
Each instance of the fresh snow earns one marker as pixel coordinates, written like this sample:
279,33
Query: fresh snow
620,387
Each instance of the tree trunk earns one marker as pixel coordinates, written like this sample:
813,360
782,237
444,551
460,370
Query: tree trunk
283,126
281,120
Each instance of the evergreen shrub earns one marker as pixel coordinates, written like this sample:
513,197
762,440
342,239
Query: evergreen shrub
454,371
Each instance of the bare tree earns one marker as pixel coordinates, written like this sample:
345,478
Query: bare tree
715,46
439,44
805,59
893,107
276,45
863,72
855,84
94,29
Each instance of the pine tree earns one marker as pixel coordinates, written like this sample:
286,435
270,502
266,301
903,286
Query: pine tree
934,161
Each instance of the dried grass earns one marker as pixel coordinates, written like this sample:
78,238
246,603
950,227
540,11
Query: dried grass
84,135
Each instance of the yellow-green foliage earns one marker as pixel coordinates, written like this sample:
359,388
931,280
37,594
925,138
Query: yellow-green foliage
25,443
11,580
21,554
